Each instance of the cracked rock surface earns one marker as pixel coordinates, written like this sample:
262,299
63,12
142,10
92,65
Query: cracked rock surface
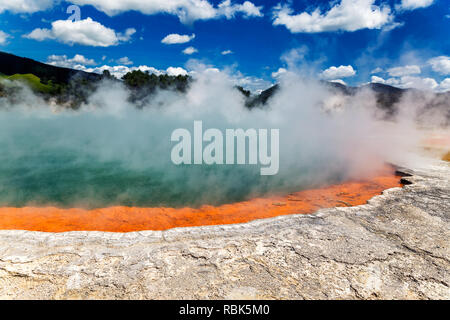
394,247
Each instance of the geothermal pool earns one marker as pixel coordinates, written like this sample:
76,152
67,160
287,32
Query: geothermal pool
108,166
127,219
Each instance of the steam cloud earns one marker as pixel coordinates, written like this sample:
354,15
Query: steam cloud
111,153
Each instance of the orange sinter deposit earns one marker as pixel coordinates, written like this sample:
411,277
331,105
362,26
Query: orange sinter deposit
126,219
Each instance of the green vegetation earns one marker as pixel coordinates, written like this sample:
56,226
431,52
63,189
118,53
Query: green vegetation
144,80
143,84
32,81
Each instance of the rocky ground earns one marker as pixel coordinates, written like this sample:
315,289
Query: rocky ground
394,247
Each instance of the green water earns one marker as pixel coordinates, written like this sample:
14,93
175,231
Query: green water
89,161
62,180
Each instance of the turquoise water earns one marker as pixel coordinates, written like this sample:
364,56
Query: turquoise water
61,178
96,161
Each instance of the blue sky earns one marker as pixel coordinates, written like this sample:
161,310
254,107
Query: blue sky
403,42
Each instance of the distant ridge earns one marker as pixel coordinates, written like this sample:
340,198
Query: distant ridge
74,86
11,64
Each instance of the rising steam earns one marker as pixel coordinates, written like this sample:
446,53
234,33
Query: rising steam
109,152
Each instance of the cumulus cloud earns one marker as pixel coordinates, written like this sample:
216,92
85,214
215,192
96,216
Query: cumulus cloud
444,85
64,61
346,15
417,82
172,71
121,70
338,72
190,50
248,9
3,37
125,61
440,64
186,10
176,38
279,73
376,79
414,4
404,71
80,62
25,6
84,32
406,82
226,52
116,71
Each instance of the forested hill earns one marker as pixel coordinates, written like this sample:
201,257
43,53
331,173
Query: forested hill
73,87
11,64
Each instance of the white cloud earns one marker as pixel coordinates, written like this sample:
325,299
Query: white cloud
408,82
125,61
340,81
338,72
3,37
76,61
418,83
375,79
176,38
248,82
376,70
347,15
226,52
25,6
190,50
40,34
440,64
171,71
404,71
186,10
414,4
78,58
278,73
84,32
121,70
116,71
248,9
444,85
126,36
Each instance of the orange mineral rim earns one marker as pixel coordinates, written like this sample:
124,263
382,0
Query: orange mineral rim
128,219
